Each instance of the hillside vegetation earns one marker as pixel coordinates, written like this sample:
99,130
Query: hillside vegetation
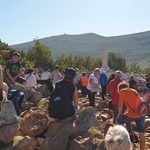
134,47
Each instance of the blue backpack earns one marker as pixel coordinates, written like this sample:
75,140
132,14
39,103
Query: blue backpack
16,97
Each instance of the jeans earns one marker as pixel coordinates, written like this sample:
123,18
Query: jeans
115,111
140,122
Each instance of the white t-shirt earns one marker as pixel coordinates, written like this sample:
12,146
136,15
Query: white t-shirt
45,75
56,76
95,80
31,81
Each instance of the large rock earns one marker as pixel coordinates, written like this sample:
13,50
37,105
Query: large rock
84,120
58,134
34,122
81,144
28,92
24,143
27,105
43,89
9,121
35,98
147,122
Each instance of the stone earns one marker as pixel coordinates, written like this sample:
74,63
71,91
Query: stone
24,143
9,121
59,132
85,119
43,89
147,122
81,144
27,105
34,122
35,98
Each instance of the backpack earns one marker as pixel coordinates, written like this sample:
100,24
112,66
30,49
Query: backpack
60,105
16,97
140,107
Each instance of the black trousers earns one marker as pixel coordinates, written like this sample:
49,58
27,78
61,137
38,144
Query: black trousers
104,89
83,90
48,83
91,96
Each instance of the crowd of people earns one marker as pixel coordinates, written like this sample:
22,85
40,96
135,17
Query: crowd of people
123,88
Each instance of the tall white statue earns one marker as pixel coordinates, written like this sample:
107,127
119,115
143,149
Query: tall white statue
104,57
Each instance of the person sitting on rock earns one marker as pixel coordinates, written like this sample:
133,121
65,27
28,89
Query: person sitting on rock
12,68
71,88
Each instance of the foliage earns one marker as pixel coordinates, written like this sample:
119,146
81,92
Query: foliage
134,67
26,63
116,61
40,55
147,71
87,62
4,46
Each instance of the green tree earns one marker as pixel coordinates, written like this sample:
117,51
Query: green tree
146,71
40,55
134,67
116,61
4,46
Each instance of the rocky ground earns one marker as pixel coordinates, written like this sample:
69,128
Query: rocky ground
104,115
35,130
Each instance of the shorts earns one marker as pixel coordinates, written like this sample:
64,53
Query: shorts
140,122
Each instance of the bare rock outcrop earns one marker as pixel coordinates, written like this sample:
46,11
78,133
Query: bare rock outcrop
9,121
24,143
34,122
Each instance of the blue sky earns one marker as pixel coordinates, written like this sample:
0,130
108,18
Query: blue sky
23,20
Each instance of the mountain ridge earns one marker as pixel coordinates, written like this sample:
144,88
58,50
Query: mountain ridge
134,47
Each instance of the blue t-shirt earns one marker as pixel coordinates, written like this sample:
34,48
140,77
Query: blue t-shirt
103,79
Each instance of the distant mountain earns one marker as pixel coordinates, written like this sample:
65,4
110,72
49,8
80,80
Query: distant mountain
134,47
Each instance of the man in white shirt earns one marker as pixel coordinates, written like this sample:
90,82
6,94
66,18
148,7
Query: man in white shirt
56,75
46,78
46,75
31,79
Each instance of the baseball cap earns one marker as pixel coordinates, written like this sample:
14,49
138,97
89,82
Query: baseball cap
70,73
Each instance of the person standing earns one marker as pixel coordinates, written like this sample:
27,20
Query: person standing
103,83
46,78
36,73
93,86
133,83
12,68
56,75
84,83
77,79
113,91
128,96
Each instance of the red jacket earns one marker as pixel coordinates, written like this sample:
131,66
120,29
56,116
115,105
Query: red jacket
113,90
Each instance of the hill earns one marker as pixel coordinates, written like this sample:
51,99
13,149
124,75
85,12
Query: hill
134,47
